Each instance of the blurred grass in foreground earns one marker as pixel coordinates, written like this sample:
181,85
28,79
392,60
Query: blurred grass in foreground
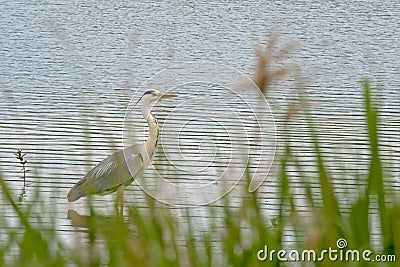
151,238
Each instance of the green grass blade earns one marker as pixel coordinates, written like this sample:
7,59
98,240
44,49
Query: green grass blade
375,176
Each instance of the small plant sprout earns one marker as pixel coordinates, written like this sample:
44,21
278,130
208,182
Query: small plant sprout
274,221
20,156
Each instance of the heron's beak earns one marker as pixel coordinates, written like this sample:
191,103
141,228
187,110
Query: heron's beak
165,96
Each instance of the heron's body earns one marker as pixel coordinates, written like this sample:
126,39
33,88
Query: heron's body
113,173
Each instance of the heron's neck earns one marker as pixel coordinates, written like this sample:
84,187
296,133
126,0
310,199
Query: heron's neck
151,142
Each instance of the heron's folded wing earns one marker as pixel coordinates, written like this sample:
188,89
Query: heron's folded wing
113,171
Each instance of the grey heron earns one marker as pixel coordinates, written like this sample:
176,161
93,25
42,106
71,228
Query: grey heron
112,174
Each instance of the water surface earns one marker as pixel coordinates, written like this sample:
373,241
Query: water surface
68,71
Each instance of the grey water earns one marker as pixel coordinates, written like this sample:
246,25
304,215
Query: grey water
69,69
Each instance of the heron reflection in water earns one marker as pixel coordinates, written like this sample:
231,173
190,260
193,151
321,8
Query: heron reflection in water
112,174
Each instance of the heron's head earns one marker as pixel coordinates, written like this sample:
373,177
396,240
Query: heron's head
151,96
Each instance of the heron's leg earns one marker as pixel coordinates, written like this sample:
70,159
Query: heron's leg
119,204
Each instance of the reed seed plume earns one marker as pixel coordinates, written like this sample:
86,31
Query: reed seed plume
267,58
